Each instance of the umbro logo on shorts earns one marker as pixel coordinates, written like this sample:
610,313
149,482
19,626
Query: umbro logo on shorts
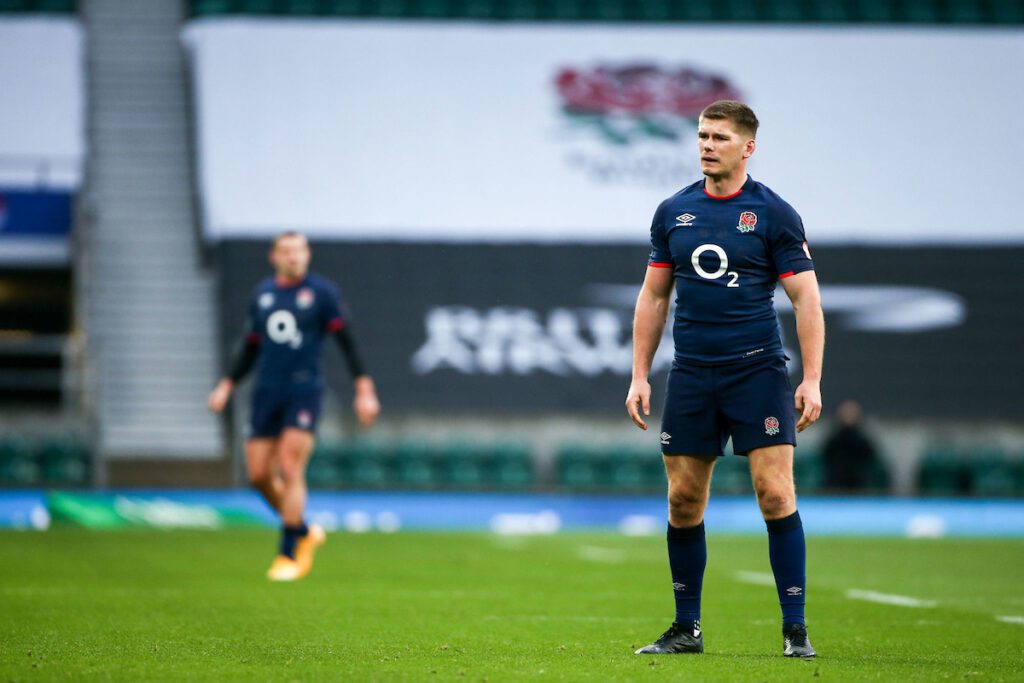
665,438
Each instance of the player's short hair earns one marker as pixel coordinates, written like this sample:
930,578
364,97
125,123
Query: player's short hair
286,234
739,114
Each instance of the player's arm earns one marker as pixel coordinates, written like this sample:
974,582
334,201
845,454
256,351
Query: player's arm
802,289
244,358
648,324
366,404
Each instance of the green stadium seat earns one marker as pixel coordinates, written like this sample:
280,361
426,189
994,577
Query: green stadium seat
789,11
874,11
1007,11
965,11
344,8
416,465
356,463
654,10
921,12
461,465
731,475
828,11
808,472
581,468
520,10
565,10
206,7
511,467
694,10
742,10
992,474
65,461
943,472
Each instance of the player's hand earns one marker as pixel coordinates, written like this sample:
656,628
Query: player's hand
366,406
808,403
639,399
220,395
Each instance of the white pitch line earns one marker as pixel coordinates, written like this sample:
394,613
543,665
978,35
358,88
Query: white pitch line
1011,619
889,599
756,578
597,554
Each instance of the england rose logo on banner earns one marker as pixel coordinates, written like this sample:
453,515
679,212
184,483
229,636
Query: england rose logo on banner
771,426
628,121
748,219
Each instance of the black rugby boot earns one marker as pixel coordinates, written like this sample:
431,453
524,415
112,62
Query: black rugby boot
677,640
795,642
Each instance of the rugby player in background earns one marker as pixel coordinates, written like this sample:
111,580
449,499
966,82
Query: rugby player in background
290,314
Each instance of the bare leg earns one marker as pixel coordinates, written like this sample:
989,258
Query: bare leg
771,470
263,472
293,450
689,485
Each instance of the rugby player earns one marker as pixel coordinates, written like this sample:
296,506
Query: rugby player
290,314
723,243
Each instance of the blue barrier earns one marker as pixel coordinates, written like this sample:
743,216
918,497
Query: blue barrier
537,513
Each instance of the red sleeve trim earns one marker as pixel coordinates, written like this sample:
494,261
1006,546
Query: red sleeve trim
335,325
782,275
659,264
252,338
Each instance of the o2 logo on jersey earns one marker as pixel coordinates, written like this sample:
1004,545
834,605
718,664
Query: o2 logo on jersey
284,329
723,264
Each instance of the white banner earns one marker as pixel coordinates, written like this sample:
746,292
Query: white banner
527,132
42,102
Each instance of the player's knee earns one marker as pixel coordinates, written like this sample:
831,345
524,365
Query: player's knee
259,478
775,500
685,505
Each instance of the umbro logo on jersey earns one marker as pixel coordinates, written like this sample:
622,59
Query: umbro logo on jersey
685,220
665,438
266,300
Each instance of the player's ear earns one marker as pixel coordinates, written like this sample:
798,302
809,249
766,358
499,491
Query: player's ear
749,150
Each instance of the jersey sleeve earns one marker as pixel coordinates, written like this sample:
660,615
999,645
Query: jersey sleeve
252,330
661,256
788,244
333,314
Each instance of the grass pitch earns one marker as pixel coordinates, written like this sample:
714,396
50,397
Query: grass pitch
145,605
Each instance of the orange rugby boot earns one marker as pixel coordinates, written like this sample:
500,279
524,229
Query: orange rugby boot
307,546
284,569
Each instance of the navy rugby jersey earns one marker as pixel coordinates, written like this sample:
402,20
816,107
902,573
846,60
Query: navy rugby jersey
289,324
727,254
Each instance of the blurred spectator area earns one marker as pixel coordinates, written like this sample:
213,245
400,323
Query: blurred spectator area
35,320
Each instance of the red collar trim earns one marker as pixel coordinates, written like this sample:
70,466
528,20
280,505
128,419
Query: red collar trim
288,283
728,196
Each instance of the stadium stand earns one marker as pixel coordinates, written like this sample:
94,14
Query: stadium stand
141,273
1005,12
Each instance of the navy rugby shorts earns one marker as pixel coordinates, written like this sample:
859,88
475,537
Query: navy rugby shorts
750,402
276,408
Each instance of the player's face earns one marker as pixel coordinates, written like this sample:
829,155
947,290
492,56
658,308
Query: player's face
723,150
290,257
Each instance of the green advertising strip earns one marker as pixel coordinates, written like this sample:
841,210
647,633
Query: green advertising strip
104,511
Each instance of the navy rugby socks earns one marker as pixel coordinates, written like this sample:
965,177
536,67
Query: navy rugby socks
687,557
290,536
788,556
